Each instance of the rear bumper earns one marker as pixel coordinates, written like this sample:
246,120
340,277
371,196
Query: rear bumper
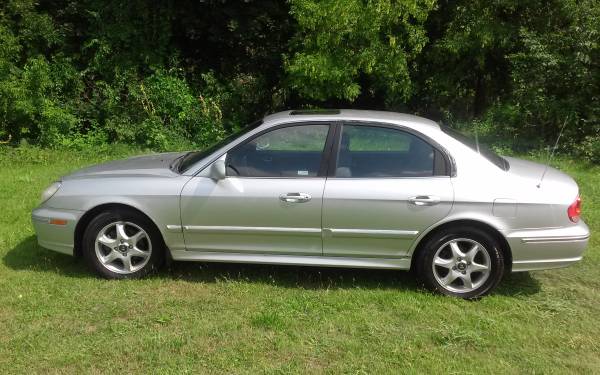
539,249
52,236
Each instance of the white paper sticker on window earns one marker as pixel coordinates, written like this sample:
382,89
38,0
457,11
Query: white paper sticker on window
302,173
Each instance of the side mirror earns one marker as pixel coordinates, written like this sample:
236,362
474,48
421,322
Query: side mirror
217,170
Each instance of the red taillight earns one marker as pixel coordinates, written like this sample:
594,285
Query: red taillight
574,210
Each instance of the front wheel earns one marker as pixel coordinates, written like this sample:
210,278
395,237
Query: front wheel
122,244
466,262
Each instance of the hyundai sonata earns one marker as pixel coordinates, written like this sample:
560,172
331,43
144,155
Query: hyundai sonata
341,188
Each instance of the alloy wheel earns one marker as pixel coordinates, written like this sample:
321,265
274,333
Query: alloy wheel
461,265
123,247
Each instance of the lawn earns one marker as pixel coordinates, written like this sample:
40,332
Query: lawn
56,316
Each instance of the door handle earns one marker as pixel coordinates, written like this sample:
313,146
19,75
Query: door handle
424,200
295,197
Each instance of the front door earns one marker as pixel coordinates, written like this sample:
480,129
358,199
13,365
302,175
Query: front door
269,203
387,186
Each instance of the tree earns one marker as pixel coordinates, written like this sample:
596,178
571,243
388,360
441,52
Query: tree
346,48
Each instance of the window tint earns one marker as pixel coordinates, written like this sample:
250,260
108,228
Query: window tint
293,151
484,151
370,151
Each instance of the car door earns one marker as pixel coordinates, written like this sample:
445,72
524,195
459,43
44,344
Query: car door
269,203
386,186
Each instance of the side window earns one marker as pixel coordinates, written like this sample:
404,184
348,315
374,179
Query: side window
371,151
293,151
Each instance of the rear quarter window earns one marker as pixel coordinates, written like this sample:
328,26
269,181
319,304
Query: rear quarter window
483,150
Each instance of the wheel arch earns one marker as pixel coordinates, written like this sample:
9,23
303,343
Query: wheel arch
505,247
90,214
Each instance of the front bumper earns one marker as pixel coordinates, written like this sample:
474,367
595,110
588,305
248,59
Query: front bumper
538,249
57,237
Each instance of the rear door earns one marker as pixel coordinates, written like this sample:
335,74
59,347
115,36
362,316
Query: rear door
386,186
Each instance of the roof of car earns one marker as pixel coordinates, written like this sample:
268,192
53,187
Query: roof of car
353,115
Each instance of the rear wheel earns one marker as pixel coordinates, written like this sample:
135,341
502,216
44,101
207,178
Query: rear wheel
122,244
461,262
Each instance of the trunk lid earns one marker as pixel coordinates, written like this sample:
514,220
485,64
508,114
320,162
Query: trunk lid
555,181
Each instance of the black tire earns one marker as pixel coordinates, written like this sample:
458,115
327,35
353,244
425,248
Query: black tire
155,243
425,269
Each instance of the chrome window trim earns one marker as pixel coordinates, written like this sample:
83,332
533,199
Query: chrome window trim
385,178
277,177
334,124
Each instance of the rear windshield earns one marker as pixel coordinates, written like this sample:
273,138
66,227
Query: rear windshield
484,151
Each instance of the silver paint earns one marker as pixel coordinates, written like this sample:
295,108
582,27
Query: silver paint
350,222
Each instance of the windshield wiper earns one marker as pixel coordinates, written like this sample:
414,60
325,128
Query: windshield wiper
174,166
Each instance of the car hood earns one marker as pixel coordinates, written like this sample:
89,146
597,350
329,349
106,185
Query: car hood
146,165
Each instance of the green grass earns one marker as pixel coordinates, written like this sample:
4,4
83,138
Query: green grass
56,316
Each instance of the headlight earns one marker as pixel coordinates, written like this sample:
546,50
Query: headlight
50,191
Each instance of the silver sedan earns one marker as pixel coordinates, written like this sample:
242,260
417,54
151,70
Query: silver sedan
323,188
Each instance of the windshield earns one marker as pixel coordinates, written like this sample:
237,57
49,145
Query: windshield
484,151
193,157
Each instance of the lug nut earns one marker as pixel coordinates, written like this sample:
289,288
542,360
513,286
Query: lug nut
463,272
131,246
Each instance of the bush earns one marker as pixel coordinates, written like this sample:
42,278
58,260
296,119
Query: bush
590,148
160,112
150,74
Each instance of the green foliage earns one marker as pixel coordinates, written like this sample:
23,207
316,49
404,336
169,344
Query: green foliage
34,103
340,43
526,67
172,76
556,75
590,148
33,91
102,93
160,112
463,69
